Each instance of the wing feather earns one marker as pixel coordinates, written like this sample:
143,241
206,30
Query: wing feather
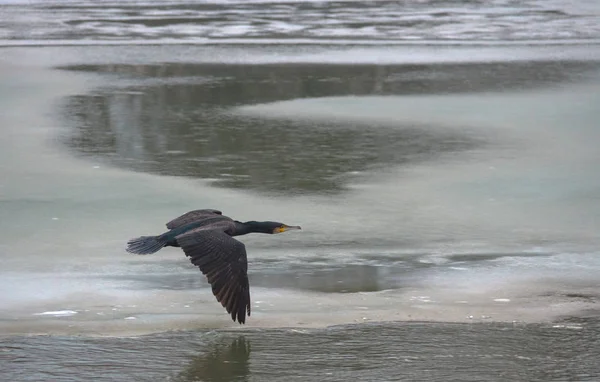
225,294
224,262
192,216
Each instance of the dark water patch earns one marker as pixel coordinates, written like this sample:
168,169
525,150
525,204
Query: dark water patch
333,279
347,274
585,297
322,278
491,256
382,352
140,126
582,296
152,22
290,81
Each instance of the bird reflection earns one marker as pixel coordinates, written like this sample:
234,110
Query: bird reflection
221,363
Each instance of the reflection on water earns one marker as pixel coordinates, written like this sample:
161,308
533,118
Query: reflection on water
411,351
173,119
235,84
222,363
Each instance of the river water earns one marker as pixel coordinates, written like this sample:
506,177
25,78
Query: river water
444,172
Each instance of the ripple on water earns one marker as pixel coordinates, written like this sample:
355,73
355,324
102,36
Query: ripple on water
429,20
410,351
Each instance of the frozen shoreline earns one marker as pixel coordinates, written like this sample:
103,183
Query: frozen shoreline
102,206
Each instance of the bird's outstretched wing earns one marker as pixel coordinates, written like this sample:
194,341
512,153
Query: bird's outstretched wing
192,216
223,260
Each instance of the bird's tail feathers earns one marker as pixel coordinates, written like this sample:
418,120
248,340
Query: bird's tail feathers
145,245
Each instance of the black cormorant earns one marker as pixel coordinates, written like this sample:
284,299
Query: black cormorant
206,238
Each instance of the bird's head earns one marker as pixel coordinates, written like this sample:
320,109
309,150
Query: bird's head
271,227
280,227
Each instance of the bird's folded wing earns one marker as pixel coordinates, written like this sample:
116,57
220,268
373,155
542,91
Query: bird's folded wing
192,216
224,262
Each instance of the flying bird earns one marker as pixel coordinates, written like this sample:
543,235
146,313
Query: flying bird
206,237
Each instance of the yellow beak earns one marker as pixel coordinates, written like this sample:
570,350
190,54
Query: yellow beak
289,228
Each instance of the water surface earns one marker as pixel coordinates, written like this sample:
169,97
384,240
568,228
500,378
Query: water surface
391,352
297,21
448,197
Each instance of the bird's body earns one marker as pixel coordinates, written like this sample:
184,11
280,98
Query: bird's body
206,237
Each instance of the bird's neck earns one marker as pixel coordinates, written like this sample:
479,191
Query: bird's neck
243,228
